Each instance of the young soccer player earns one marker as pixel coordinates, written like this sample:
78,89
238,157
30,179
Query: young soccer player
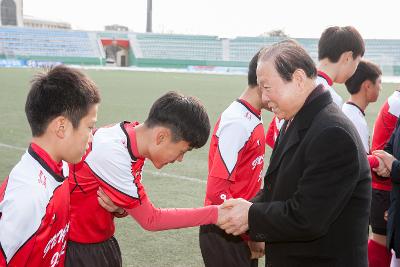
364,87
176,124
61,108
235,164
340,49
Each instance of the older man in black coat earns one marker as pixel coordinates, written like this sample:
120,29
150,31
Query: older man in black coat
314,208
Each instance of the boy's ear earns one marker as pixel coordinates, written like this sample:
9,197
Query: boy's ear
58,125
366,84
346,56
162,134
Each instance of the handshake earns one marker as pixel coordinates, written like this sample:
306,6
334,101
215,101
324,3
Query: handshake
385,163
233,218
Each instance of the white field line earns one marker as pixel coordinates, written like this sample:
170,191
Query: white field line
181,177
12,147
155,173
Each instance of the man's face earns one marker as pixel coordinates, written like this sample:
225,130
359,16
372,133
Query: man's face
168,151
279,95
77,140
374,89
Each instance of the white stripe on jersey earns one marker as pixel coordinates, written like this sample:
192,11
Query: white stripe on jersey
110,159
234,131
337,99
394,104
29,190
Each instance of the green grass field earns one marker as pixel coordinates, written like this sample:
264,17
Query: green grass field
128,96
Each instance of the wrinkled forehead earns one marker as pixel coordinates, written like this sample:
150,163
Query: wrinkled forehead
265,70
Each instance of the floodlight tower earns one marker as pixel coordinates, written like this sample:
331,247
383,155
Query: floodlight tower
149,15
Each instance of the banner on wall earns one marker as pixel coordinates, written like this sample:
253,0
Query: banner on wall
21,63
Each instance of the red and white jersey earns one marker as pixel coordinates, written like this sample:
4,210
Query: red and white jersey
384,126
34,213
113,164
357,116
327,82
237,151
273,131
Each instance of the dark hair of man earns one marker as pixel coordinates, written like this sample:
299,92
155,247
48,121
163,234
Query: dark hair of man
336,40
252,76
185,116
365,71
289,56
61,91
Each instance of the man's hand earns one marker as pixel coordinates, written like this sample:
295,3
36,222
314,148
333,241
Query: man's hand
257,249
107,203
235,221
387,160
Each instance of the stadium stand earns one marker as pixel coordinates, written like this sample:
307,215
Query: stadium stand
71,47
162,50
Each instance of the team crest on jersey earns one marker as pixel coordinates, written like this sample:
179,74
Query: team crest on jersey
42,178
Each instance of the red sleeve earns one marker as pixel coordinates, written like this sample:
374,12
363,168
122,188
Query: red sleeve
3,190
270,136
245,237
3,261
218,190
156,219
373,161
383,129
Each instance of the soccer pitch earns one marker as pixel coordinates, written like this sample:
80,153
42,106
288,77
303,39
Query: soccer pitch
128,96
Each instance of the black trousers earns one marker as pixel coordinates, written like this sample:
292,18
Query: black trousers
220,249
380,203
103,254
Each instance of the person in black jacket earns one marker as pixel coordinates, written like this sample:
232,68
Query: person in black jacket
314,208
390,156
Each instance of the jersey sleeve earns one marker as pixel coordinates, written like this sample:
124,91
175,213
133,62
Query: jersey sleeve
394,106
156,219
373,162
218,190
20,219
270,136
112,166
231,139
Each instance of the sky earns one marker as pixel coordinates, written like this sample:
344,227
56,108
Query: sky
226,18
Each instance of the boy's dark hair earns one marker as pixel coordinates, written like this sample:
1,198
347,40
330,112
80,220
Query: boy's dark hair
61,91
252,74
185,116
365,71
288,56
336,40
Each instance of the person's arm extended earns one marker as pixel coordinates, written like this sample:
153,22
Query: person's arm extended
156,219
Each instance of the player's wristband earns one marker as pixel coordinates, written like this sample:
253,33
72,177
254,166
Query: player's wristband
120,215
